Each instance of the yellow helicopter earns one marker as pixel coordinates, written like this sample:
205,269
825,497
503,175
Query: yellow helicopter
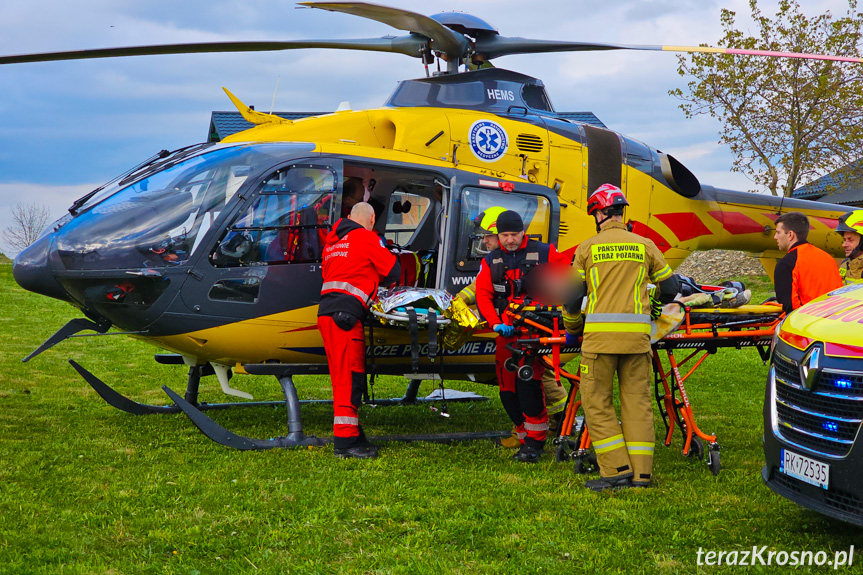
212,252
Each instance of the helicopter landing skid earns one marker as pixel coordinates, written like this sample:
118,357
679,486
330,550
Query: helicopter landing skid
116,399
217,433
296,437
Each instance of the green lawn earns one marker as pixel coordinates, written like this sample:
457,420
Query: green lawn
85,488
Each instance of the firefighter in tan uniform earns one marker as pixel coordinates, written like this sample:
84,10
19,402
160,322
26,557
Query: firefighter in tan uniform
617,265
555,394
851,228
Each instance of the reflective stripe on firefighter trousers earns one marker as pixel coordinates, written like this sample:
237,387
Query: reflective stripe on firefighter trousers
640,447
609,444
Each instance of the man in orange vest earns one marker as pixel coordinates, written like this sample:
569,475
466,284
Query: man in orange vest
355,263
806,272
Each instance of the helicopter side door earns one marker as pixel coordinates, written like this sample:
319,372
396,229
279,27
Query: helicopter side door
268,259
472,198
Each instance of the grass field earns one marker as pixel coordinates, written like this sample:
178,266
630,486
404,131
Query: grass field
85,488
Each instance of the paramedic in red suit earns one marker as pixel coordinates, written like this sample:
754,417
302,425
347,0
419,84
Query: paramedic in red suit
355,262
496,286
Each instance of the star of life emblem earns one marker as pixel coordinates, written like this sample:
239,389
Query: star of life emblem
488,140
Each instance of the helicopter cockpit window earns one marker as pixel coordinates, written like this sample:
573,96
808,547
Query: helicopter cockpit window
286,223
478,222
159,220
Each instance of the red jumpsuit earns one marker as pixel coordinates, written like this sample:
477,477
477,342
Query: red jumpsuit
355,262
523,401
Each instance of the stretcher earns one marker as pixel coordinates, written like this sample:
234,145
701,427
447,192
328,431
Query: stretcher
693,335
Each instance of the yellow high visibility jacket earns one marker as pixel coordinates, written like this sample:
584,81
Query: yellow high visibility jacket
852,270
617,265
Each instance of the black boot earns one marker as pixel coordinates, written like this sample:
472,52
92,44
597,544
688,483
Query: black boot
362,451
527,454
610,483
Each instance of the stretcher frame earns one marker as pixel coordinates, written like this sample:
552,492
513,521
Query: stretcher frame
700,338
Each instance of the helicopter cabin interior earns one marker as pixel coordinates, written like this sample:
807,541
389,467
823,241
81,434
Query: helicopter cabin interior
415,209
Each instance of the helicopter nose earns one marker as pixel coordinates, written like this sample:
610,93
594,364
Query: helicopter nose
33,273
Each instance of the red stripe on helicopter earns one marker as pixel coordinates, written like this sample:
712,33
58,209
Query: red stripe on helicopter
684,225
656,237
307,328
829,222
737,223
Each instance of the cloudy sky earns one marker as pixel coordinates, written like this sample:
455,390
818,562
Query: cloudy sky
66,127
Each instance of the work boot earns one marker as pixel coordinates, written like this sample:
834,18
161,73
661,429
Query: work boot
527,454
510,442
363,451
609,483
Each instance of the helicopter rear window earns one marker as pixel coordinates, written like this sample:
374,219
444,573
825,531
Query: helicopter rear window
286,223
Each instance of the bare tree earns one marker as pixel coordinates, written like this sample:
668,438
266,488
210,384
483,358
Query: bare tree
786,120
29,220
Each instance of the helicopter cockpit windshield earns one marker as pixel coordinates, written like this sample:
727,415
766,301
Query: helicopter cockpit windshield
159,220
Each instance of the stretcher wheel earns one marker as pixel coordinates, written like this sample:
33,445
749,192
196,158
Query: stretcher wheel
696,448
586,464
565,451
510,364
713,462
525,373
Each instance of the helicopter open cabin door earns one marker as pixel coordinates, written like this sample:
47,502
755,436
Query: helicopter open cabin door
265,267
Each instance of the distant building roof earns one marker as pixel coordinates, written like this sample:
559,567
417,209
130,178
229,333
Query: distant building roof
836,188
224,124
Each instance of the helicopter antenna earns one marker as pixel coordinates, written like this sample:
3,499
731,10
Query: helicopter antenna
273,105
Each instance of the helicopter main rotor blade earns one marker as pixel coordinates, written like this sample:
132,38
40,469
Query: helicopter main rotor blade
497,46
448,41
411,45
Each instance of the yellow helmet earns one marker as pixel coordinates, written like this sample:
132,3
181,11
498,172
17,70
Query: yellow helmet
487,220
851,222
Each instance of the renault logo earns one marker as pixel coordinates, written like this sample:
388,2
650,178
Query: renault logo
810,368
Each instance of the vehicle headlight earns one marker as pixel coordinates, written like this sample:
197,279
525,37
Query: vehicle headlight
775,338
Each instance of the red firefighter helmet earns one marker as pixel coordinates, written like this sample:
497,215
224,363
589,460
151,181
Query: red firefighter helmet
605,196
